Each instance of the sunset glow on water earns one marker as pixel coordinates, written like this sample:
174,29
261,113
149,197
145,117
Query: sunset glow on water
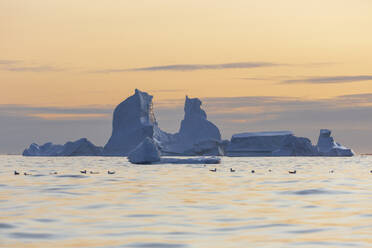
186,205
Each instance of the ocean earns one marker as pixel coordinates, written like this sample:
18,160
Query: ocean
326,203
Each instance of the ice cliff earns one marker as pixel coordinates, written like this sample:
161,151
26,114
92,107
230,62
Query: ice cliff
133,121
281,143
81,147
328,147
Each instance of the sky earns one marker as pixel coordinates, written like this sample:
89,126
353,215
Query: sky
257,65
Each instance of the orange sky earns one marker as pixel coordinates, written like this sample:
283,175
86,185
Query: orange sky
65,64
55,45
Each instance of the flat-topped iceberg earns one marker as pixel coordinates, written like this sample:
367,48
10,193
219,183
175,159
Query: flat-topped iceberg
328,147
81,147
279,143
145,153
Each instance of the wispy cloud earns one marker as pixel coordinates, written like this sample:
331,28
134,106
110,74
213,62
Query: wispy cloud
330,80
21,66
8,62
32,69
54,113
193,67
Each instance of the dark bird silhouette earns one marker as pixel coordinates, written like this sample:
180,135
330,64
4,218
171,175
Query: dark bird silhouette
83,171
94,172
16,173
269,170
252,171
213,170
232,170
53,173
110,172
331,171
292,172
26,174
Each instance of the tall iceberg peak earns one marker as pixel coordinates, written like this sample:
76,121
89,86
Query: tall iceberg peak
328,147
133,121
196,136
195,127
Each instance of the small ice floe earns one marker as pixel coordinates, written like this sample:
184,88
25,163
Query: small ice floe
197,160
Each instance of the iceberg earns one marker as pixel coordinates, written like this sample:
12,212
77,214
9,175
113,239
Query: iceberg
145,153
197,136
133,121
277,143
81,147
328,147
48,149
199,160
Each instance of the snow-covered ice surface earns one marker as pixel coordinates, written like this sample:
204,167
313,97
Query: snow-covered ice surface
185,206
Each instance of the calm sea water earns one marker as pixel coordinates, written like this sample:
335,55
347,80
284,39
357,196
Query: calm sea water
186,205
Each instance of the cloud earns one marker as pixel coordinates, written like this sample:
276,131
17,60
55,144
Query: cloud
8,62
32,69
54,113
193,67
18,66
330,80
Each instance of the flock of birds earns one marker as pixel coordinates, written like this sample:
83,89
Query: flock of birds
113,172
253,171
55,172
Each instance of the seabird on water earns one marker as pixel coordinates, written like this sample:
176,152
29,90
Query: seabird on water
83,171
213,170
110,172
292,172
232,170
